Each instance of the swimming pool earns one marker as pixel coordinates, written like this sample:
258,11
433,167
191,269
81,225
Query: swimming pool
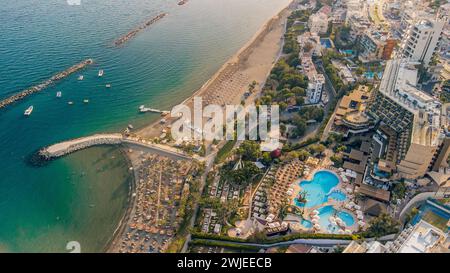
370,75
319,189
307,223
325,42
327,211
380,173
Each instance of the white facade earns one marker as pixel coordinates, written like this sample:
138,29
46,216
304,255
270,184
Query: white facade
315,87
422,41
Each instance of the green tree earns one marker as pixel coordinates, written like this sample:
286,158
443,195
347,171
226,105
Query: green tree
303,154
249,150
317,149
381,226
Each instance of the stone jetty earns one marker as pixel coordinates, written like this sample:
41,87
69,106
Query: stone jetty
140,28
67,147
45,84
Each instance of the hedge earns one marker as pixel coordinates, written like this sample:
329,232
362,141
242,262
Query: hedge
291,237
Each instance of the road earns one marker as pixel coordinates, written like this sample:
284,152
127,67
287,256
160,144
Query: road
312,242
209,163
331,95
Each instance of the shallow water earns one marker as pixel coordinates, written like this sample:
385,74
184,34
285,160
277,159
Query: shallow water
43,208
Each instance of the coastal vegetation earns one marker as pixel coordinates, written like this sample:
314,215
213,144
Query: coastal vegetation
381,226
262,239
225,151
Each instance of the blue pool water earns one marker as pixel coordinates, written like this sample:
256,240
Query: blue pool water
439,210
327,211
371,75
326,43
348,51
307,223
318,190
379,173
338,196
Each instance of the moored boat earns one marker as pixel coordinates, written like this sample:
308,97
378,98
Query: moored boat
58,94
100,73
28,111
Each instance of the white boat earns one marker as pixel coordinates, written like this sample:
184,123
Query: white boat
80,78
58,94
86,101
108,85
100,72
70,103
28,111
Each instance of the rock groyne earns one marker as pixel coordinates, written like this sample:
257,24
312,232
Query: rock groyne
67,147
45,84
125,38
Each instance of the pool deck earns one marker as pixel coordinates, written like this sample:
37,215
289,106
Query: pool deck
338,205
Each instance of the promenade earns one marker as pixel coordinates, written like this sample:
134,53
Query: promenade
64,148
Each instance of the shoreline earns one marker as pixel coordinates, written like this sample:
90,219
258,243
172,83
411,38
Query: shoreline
235,67
131,202
237,60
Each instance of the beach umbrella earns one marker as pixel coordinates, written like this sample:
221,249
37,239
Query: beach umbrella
315,221
360,217
361,223
357,207
315,212
317,226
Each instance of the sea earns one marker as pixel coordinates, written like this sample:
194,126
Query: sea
82,197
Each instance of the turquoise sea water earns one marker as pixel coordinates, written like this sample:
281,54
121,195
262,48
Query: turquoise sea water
82,197
318,190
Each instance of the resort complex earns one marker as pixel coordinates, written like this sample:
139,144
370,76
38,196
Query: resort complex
357,160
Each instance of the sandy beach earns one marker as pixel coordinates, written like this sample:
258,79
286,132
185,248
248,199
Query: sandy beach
252,63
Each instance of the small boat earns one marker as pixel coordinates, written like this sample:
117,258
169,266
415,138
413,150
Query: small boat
130,126
58,94
70,103
108,85
80,78
100,73
28,111
86,101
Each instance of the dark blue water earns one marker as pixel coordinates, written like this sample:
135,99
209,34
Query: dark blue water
82,197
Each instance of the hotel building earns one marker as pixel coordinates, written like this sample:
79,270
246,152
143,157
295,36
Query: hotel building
422,40
420,238
410,136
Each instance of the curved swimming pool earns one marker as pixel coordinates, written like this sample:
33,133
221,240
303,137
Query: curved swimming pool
319,189
327,211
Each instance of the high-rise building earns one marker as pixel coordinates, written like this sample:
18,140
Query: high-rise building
413,118
421,40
